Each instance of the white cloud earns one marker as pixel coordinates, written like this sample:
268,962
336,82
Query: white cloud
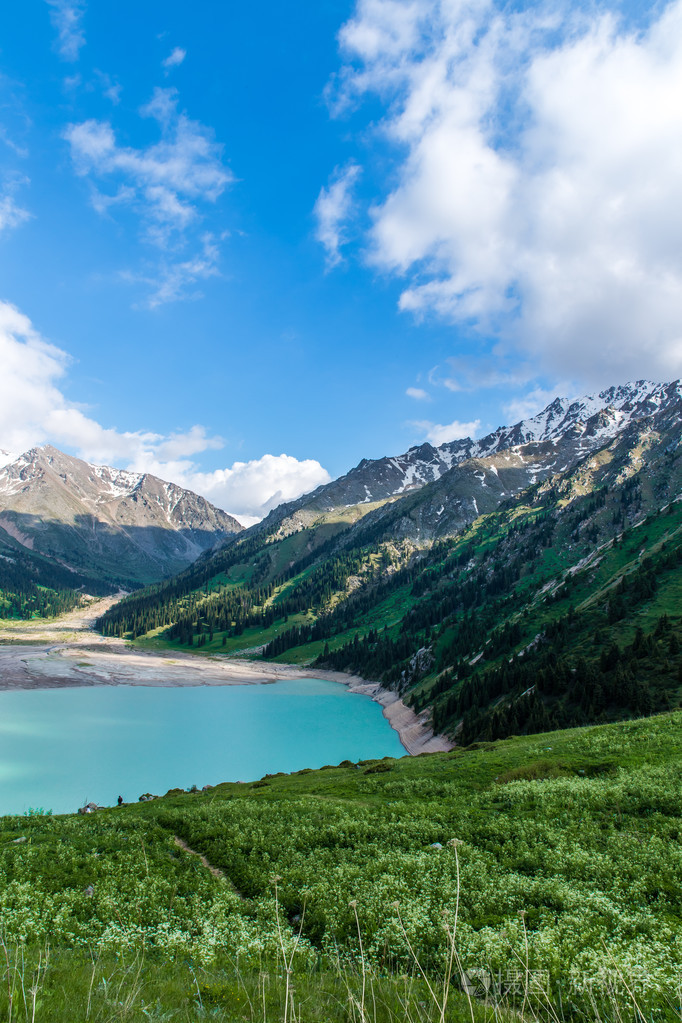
333,207
30,369
173,281
475,373
258,486
66,16
418,393
113,93
34,410
11,215
164,178
110,87
11,143
193,442
537,193
166,183
174,59
438,433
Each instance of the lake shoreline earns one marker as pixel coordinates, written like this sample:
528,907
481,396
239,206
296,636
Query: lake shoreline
101,662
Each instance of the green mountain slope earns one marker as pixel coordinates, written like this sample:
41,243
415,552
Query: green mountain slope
559,606
556,855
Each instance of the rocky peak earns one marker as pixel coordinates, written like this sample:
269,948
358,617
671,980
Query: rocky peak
100,519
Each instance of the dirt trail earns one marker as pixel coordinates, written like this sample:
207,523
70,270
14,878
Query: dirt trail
216,871
76,627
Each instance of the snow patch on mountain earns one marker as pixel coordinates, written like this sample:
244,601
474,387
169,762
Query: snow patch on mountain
116,483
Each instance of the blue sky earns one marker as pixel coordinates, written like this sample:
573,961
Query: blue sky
293,236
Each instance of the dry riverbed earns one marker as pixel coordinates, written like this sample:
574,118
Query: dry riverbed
68,652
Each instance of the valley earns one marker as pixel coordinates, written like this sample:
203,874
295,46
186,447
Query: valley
524,581
533,587
514,606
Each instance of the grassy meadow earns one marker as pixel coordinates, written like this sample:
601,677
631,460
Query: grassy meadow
535,877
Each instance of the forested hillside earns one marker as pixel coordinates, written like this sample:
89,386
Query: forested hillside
35,587
559,606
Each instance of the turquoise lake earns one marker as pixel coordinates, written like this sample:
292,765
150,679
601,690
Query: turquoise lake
61,748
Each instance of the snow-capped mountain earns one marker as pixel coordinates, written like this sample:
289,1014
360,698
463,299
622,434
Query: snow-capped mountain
569,428
131,526
591,420
103,521
594,417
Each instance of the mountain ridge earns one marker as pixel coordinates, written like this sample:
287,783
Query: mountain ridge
373,480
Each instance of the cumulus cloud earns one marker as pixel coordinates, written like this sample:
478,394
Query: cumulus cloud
66,17
258,486
30,369
174,59
333,208
34,410
167,184
536,193
418,393
439,433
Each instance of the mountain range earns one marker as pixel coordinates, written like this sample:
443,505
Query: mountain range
559,436
134,527
525,580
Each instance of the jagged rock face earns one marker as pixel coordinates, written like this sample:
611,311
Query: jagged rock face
571,428
471,488
106,522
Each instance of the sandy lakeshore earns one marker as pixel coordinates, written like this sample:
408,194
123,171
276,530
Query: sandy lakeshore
69,652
